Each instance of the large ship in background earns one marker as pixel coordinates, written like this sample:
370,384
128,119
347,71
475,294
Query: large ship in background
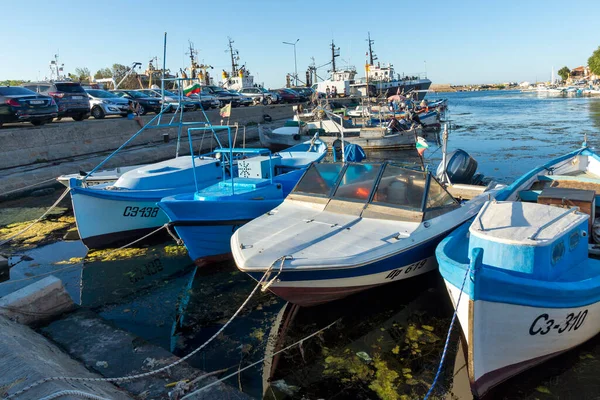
380,79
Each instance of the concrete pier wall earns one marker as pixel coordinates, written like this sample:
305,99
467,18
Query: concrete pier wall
24,145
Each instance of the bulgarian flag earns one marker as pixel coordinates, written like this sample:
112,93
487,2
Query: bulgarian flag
195,88
421,145
226,111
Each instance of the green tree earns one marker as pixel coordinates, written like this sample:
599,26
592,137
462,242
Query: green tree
103,73
564,73
594,62
12,82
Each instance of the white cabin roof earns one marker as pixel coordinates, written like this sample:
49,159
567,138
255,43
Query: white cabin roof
525,223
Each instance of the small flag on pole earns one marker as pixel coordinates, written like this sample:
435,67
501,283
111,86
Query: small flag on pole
421,145
195,88
226,111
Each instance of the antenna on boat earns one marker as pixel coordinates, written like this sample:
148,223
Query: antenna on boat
234,57
162,85
444,178
372,56
584,144
335,52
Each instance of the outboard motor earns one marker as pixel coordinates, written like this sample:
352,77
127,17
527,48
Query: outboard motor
460,167
354,153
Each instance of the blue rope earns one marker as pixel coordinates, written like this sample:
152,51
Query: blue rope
439,371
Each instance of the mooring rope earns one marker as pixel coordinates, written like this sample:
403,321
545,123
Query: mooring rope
439,370
62,196
259,361
143,375
27,187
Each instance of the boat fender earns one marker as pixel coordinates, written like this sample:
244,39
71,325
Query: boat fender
296,136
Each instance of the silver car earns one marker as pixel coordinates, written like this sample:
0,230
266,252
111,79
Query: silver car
260,95
103,103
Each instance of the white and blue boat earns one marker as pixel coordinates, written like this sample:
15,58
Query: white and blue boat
206,219
110,214
528,289
347,227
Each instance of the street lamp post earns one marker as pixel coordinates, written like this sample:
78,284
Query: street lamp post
295,63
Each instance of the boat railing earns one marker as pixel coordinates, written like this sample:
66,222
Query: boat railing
551,222
155,123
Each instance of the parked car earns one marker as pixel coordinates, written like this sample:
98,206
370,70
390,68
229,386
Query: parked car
305,93
171,99
287,95
207,101
71,99
222,95
244,100
18,104
103,103
260,95
147,103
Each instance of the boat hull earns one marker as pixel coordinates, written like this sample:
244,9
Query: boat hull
401,140
277,142
533,335
104,222
206,236
310,288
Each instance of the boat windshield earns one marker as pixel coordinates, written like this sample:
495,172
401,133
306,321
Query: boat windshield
319,180
395,186
401,187
357,182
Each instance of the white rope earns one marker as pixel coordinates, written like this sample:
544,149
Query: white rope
266,285
62,196
76,393
259,361
27,187
143,375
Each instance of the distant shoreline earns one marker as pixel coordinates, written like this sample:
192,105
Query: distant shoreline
448,88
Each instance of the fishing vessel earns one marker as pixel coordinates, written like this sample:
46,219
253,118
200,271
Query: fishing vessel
206,219
348,227
380,79
528,289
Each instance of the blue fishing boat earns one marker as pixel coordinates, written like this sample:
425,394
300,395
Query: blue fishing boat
520,276
206,219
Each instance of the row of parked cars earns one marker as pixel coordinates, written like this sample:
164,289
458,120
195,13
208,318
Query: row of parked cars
41,102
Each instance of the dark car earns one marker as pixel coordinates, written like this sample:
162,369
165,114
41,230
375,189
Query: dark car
305,93
244,100
71,99
147,104
18,104
287,95
222,95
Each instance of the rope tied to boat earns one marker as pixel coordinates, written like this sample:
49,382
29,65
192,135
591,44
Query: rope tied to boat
28,227
153,372
177,240
299,342
266,285
476,256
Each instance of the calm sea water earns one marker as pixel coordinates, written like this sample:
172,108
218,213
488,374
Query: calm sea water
507,132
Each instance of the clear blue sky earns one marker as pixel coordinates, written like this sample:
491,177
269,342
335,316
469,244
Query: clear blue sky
470,41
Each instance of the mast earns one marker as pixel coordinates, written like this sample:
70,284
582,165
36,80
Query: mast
335,52
234,57
193,63
372,56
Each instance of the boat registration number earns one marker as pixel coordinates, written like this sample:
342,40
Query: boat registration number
144,212
409,268
543,324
